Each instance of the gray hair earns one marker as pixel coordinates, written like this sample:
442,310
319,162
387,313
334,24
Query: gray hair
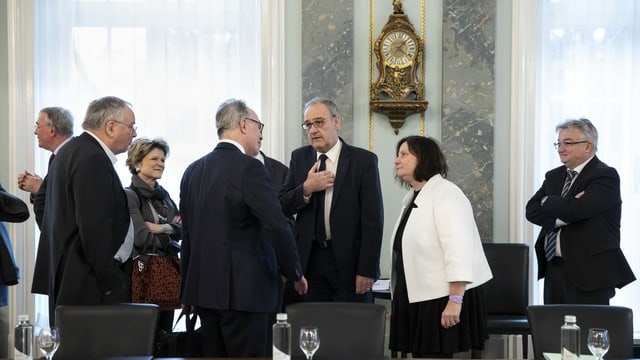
229,114
583,125
333,108
60,118
102,110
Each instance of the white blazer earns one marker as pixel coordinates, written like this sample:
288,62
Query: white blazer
440,243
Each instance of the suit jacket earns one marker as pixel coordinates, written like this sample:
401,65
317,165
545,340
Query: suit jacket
12,209
356,215
591,240
38,199
277,171
85,221
234,235
440,242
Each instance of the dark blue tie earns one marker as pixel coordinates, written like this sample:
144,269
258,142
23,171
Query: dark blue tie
552,236
320,233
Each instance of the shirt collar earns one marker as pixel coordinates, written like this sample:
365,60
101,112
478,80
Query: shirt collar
260,157
55,151
333,153
235,143
579,168
106,149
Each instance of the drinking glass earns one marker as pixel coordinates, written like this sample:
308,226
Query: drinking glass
48,341
309,340
598,342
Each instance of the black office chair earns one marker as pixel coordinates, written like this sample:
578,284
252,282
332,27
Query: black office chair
94,331
546,321
347,330
506,296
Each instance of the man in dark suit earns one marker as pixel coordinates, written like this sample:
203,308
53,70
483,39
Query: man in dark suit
334,190
235,238
54,128
86,229
578,207
278,173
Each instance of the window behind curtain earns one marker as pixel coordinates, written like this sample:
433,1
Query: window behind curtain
174,61
590,67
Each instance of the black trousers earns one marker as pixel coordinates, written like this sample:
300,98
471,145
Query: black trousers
559,289
230,333
325,284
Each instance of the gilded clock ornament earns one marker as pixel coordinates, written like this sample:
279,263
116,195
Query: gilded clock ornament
399,90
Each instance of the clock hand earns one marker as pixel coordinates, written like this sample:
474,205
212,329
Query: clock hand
400,49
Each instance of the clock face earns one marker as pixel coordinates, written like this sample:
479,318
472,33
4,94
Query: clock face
398,48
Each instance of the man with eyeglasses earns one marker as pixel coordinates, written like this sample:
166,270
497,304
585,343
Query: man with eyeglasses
578,207
87,235
235,239
53,129
334,190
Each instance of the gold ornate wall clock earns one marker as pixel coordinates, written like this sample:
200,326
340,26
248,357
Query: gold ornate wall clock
399,90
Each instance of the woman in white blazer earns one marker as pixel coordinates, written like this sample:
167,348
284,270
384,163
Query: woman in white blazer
438,262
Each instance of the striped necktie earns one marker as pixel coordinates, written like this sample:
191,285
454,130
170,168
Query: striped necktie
552,236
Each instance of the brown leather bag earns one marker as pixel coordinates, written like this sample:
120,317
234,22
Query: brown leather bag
155,279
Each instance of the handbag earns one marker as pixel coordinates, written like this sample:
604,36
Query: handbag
155,279
181,344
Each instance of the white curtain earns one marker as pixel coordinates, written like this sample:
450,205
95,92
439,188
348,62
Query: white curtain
175,61
589,66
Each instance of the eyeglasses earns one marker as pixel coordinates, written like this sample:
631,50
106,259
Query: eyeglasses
38,126
317,123
260,125
568,143
130,126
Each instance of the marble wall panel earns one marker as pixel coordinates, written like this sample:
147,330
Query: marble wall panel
327,57
468,102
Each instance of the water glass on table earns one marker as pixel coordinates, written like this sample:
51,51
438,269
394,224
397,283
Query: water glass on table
49,341
598,342
309,340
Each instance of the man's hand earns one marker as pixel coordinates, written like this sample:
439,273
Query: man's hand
29,182
301,286
317,180
363,284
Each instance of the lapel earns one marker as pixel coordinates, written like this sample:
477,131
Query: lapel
583,176
341,172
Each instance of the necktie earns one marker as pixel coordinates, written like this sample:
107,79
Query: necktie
51,159
320,233
552,236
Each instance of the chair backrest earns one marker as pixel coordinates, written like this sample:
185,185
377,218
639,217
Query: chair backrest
546,320
89,331
347,330
508,292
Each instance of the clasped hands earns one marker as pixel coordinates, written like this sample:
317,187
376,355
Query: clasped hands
29,182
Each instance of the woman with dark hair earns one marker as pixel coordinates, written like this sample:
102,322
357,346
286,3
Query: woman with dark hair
437,308
154,215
